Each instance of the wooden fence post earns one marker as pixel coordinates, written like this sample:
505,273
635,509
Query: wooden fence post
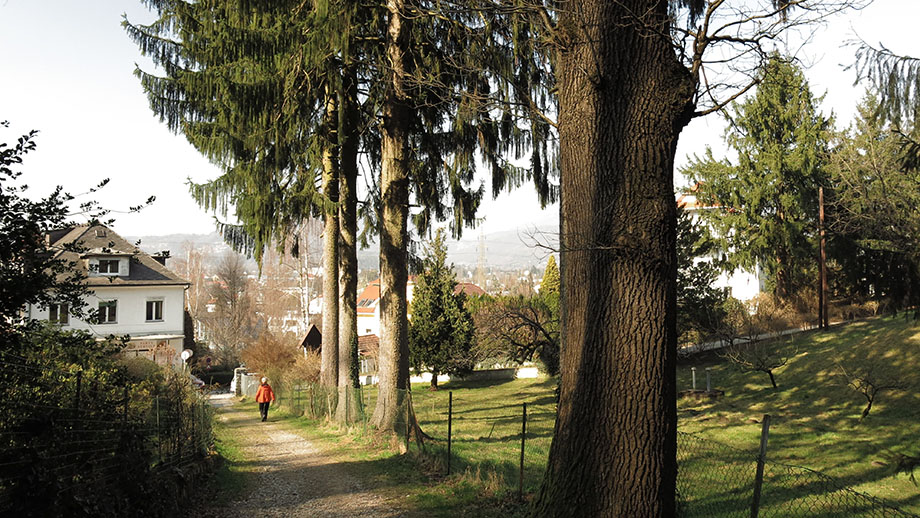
523,441
761,460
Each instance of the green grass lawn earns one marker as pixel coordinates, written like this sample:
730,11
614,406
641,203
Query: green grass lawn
815,424
815,417
230,476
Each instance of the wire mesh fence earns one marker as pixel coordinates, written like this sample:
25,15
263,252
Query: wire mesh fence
464,433
70,439
716,480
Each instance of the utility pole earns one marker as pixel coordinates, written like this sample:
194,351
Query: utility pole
822,264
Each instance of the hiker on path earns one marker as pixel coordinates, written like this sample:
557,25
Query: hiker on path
264,396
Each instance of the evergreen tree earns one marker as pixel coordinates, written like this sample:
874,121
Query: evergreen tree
630,75
699,303
873,221
441,330
253,85
769,199
895,78
550,283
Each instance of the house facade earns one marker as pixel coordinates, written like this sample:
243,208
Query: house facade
369,303
368,306
134,293
742,284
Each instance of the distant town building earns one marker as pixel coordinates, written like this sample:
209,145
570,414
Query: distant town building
369,303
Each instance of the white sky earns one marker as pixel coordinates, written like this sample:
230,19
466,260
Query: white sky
66,69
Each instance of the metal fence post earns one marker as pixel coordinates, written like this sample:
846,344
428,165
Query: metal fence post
76,402
693,377
708,379
523,440
761,460
408,400
450,419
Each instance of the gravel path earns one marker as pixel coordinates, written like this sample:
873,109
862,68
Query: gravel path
291,477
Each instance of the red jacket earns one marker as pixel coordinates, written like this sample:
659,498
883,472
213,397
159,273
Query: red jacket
265,394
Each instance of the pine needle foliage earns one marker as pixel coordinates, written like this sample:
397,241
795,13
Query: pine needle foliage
441,330
550,283
247,84
768,201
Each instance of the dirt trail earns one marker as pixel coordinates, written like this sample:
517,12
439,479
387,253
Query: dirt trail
290,476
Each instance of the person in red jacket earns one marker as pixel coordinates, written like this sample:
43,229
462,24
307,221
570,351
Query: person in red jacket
264,396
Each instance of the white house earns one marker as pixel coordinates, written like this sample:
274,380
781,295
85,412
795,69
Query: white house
369,306
369,303
134,292
742,284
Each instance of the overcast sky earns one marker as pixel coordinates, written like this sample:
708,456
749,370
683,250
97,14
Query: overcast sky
66,69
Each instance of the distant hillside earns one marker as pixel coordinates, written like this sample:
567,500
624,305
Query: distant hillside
211,245
504,250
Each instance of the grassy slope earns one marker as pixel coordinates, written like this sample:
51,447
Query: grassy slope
815,417
815,424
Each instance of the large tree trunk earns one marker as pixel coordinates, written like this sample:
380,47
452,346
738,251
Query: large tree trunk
390,412
329,356
623,99
347,410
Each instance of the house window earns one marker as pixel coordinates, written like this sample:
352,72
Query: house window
108,266
59,314
108,312
154,310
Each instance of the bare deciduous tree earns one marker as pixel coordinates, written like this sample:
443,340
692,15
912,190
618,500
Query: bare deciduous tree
764,356
870,378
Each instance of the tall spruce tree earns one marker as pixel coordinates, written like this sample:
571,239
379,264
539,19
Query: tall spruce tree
769,199
438,117
257,88
441,331
251,84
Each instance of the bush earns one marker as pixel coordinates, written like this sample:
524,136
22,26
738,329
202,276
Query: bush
131,416
140,369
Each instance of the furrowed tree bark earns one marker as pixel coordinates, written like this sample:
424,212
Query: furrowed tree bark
347,411
329,355
390,414
623,99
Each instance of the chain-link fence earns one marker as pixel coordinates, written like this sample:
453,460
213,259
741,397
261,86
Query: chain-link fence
75,442
718,481
493,440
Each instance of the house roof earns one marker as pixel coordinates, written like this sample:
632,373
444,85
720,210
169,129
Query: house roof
101,241
368,345
469,289
313,339
368,298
